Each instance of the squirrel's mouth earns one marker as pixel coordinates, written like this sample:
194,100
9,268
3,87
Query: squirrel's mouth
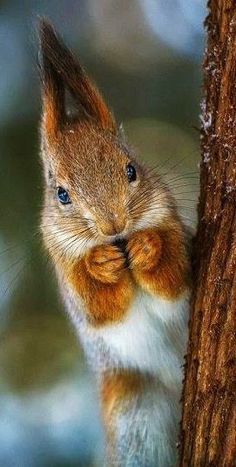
115,236
121,243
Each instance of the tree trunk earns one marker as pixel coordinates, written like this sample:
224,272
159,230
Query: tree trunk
208,430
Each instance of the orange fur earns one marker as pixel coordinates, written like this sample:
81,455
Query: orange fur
159,261
118,389
106,264
107,286
60,69
52,116
104,284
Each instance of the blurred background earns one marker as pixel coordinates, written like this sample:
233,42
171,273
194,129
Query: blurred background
145,55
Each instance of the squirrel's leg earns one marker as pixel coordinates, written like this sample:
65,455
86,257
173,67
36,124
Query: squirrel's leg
158,260
133,406
104,283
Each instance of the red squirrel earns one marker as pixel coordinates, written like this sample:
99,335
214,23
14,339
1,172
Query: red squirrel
120,251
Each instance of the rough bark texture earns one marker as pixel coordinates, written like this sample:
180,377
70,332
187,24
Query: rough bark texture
208,431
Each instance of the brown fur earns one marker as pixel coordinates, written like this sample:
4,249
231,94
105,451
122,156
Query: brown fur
108,287
91,163
104,284
159,261
118,390
118,387
58,66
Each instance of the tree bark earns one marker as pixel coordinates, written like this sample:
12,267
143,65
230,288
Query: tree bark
208,429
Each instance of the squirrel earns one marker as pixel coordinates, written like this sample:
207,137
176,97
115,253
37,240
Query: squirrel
120,250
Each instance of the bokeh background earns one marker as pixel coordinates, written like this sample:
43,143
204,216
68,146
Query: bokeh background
146,57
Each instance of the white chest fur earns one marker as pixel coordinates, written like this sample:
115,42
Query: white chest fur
152,337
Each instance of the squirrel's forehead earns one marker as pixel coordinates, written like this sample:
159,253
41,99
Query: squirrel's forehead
90,148
99,192
85,161
93,161
88,175
103,176
89,168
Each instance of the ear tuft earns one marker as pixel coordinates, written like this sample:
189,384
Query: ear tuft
53,91
60,70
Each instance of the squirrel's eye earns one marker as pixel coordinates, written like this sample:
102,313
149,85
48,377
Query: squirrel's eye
63,195
131,173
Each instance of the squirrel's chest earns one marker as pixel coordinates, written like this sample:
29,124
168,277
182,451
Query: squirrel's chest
151,338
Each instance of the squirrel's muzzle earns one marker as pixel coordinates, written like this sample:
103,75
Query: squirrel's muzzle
113,226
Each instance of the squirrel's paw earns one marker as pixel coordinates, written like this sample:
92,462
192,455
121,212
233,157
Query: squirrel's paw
144,249
105,263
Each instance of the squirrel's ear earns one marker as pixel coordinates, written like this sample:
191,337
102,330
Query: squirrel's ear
60,71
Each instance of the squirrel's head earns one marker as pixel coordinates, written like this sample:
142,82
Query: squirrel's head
95,190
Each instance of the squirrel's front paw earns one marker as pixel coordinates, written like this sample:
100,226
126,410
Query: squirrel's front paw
144,249
105,263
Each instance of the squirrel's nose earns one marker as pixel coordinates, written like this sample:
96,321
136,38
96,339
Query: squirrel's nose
113,227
